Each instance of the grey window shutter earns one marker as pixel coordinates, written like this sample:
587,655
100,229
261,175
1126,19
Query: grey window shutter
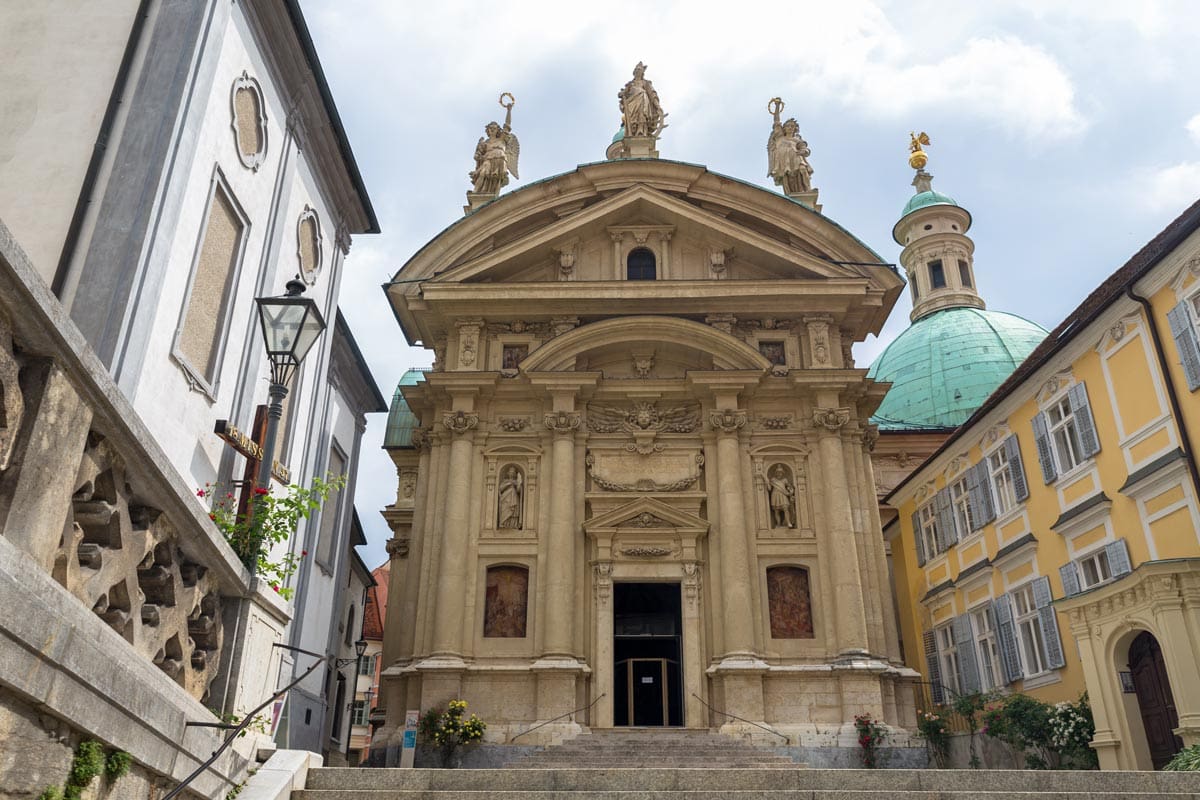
1085,424
934,668
1186,343
1041,435
1118,558
968,662
979,492
1008,639
918,538
945,519
1069,572
1016,468
1050,637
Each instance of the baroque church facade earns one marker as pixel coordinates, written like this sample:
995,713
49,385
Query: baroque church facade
636,483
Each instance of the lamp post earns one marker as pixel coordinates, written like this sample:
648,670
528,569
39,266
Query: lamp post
290,326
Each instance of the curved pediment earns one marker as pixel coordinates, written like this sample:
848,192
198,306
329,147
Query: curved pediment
561,353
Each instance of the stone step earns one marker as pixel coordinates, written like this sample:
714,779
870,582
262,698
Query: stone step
891,782
787,794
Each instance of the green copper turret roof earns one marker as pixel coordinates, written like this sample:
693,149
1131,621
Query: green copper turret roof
619,135
946,364
401,421
930,198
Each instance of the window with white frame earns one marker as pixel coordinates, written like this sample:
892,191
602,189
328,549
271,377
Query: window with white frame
927,523
1063,435
991,673
1000,471
1094,569
359,716
960,500
948,657
1031,639
366,665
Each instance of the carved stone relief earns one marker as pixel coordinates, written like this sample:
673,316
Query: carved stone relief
121,559
616,471
459,422
790,603
468,342
12,401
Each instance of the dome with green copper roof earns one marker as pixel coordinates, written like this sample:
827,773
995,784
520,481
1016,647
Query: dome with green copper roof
929,198
401,421
946,364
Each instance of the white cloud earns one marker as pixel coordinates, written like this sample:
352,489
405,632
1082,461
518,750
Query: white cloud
1173,188
1193,128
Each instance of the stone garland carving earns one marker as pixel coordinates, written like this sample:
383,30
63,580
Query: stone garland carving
513,424
643,416
563,422
831,419
646,552
644,484
122,560
643,364
775,423
510,503
459,422
646,520
727,420
12,401
781,494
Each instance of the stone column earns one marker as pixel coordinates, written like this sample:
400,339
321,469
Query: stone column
693,653
559,580
850,622
735,557
603,665
454,569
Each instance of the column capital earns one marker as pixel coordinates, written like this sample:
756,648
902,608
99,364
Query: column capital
831,419
459,422
397,548
727,420
563,422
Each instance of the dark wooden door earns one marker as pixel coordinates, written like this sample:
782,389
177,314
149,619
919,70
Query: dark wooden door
1154,699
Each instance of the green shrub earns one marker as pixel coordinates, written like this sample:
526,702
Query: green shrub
51,793
1186,760
117,765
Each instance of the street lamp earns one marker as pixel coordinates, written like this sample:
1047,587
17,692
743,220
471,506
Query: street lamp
290,326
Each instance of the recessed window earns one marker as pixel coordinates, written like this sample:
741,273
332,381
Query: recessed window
773,352
928,227
937,275
991,675
952,225
948,656
1002,480
927,521
640,265
961,501
1064,436
1094,569
1029,631
916,292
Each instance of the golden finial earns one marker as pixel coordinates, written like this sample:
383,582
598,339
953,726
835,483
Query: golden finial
917,160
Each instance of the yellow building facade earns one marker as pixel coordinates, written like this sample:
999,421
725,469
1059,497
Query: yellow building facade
1052,544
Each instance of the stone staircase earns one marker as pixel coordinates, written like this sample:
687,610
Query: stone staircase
742,784
632,748
698,765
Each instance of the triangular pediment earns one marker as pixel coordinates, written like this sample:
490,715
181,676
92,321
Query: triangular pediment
646,513
640,215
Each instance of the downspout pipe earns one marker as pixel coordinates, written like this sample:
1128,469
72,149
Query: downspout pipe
1185,443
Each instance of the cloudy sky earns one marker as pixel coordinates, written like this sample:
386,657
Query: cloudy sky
1070,130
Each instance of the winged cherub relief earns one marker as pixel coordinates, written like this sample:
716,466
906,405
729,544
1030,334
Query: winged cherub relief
496,154
643,417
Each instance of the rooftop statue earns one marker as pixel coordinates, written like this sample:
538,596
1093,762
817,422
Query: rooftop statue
917,159
787,153
641,113
496,154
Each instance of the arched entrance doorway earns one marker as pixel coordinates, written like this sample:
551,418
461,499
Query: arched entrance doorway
1154,698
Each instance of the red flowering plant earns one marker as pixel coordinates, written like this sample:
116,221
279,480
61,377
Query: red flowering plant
871,735
269,520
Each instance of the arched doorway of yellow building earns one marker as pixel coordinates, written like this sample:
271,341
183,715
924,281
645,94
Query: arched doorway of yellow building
1155,703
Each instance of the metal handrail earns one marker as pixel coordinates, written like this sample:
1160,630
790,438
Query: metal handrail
236,730
555,719
739,719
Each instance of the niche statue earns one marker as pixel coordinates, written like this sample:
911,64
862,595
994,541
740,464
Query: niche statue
512,493
783,499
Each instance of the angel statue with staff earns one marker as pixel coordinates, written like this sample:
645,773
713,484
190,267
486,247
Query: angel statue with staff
496,154
787,153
